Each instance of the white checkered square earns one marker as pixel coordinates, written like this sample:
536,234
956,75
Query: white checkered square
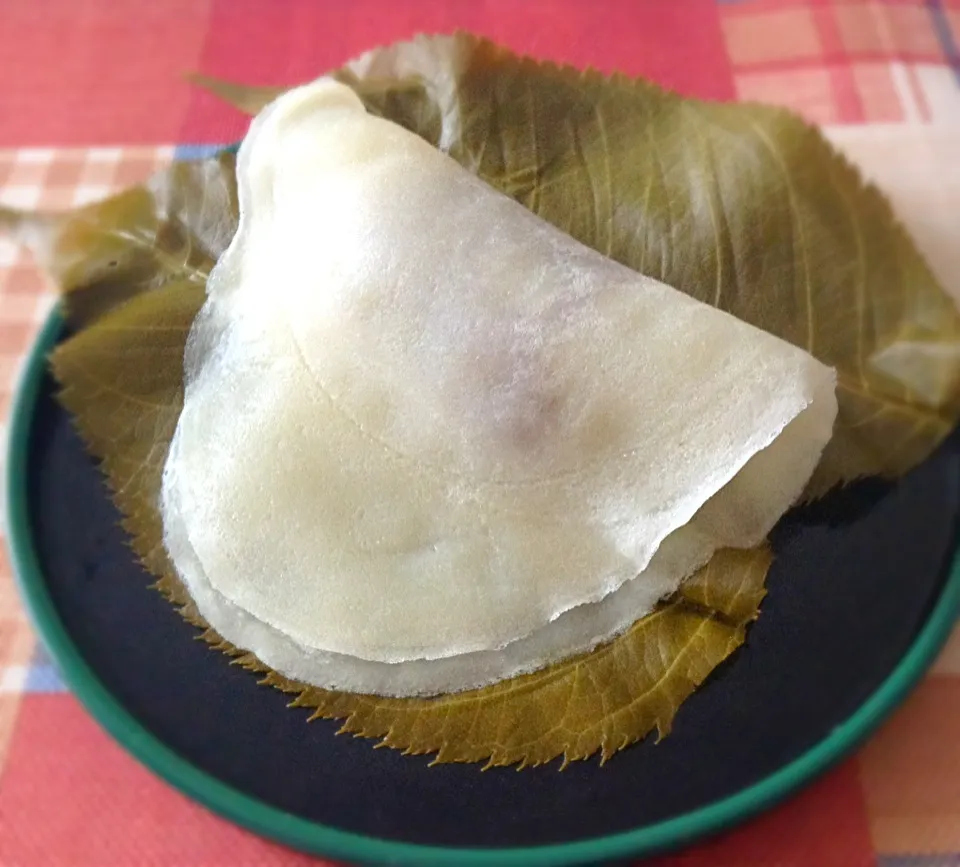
36,155
939,86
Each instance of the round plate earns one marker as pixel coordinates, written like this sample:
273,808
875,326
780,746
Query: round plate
863,592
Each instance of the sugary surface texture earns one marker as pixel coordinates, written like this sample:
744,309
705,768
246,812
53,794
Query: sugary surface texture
424,430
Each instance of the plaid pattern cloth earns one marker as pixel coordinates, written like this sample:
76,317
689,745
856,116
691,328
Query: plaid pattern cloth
92,101
848,61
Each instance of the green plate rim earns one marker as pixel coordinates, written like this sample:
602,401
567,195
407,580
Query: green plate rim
319,839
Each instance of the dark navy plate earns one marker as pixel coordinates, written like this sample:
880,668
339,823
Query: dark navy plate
864,590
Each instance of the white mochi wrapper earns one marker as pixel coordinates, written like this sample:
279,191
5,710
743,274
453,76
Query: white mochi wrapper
429,441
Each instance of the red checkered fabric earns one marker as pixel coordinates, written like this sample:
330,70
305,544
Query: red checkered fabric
93,99
848,61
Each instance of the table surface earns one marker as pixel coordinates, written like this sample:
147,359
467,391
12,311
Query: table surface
93,99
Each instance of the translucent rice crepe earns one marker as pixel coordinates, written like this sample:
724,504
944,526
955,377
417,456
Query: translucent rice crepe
429,441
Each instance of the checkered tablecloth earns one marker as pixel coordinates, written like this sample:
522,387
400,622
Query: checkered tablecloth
92,99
